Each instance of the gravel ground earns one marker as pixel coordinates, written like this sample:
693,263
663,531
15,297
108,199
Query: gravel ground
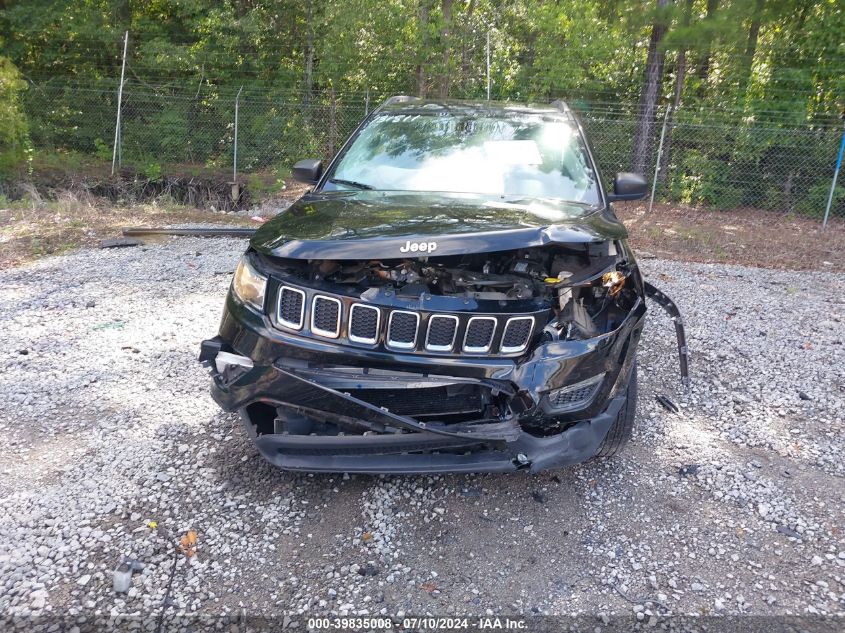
733,506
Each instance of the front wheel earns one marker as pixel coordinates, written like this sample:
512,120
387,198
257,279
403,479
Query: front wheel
620,431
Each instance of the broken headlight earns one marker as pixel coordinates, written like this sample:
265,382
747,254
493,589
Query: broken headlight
249,285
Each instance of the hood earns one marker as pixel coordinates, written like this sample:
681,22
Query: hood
388,225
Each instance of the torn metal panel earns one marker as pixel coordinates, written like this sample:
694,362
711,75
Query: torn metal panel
680,333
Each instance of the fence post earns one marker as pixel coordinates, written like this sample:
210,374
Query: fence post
332,121
488,64
835,177
235,153
367,103
659,155
117,138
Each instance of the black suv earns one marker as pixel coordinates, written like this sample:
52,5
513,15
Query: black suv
454,294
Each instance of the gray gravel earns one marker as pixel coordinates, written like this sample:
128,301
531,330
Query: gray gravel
733,506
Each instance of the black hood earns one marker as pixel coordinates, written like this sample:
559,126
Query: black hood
390,225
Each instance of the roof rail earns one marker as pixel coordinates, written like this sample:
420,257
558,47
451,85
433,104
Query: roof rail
399,99
561,105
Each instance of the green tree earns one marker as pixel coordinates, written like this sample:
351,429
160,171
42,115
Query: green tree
14,137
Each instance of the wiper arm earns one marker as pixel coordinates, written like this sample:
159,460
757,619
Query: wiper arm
350,183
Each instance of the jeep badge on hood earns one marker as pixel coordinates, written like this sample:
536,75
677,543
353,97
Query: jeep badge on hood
418,247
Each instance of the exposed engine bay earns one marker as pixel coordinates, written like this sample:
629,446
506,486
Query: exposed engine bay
589,287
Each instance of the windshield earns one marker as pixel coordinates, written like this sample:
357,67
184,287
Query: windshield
508,153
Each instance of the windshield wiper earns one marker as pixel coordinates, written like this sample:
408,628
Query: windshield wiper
350,183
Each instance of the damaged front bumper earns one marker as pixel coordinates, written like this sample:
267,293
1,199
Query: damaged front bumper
291,389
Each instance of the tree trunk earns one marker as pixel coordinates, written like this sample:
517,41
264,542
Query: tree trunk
308,76
445,42
650,94
422,80
680,76
750,48
704,68
787,191
123,14
466,60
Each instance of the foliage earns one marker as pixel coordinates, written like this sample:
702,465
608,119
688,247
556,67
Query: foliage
753,67
14,136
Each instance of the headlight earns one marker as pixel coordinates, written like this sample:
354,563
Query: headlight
248,285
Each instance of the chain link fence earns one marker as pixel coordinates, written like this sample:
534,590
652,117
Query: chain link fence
177,131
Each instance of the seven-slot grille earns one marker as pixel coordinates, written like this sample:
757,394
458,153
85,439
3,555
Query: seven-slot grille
405,330
291,307
363,323
325,316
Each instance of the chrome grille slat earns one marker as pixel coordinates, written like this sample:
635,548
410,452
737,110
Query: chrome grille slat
402,329
290,311
442,329
364,322
517,334
478,338
325,316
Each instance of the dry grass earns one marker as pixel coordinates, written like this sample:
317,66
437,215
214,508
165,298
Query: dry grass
34,227
744,236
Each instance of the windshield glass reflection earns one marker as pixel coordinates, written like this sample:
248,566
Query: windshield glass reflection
503,153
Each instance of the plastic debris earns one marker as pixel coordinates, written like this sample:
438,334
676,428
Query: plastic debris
122,577
688,470
667,404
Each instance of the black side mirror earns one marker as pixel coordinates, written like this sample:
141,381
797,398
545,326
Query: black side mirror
628,186
308,170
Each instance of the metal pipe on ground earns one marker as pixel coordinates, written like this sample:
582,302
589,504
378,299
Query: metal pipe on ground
223,231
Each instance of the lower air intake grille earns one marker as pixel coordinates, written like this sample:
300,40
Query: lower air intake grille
291,302
363,324
516,334
426,401
325,319
575,396
402,331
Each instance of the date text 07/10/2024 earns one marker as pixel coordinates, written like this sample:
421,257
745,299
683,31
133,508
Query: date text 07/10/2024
427,623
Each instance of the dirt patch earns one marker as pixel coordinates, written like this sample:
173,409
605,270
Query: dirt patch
743,236
36,228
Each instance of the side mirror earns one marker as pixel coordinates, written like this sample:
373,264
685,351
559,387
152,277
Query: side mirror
628,186
308,170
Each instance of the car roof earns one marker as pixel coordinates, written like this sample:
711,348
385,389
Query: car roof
495,108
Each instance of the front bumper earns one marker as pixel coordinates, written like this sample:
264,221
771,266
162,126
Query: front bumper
314,378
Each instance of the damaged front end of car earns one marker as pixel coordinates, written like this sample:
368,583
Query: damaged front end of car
411,356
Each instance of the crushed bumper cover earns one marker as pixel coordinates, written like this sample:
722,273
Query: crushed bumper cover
313,378
393,443
417,453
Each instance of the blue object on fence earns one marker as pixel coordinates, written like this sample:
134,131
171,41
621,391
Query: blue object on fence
835,176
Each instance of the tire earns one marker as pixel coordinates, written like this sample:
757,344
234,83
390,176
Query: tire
620,432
